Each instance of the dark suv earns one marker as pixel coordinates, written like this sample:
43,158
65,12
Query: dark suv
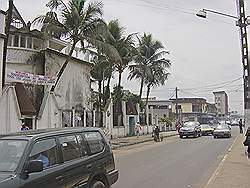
71,157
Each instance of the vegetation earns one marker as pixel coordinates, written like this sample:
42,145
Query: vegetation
81,23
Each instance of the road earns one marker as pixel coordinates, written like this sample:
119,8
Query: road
173,163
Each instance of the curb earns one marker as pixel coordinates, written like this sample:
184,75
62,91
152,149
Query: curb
218,169
139,142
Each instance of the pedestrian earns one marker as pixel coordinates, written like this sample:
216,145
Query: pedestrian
157,133
247,143
241,126
137,129
24,127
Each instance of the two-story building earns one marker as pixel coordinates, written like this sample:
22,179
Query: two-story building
190,108
31,56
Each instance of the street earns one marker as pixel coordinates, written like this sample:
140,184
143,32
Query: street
174,163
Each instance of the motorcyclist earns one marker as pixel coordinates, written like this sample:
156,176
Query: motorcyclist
157,133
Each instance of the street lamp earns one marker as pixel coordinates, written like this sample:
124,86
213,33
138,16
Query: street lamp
203,13
242,22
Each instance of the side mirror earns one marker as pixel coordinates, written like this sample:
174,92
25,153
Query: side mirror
34,166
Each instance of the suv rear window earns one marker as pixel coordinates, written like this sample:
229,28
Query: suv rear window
95,141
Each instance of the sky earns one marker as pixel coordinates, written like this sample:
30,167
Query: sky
205,53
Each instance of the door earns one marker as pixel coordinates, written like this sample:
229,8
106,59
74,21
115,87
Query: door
45,150
76,171
131,124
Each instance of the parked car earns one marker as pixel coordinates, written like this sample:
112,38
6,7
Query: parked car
206,129
222,131
235,122
190,129
69,157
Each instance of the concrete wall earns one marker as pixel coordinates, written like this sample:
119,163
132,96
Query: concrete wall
51,115
74,86
9,111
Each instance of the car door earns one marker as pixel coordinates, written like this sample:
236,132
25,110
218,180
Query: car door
100,159
45,150
75,160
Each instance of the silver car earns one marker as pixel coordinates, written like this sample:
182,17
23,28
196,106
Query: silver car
222,131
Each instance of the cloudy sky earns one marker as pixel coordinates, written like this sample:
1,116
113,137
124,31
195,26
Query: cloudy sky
205,53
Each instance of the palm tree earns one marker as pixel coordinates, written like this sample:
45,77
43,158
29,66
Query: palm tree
80,22
148,52
123,45
155,76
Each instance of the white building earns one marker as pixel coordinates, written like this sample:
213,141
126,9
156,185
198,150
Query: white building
221,103
29,52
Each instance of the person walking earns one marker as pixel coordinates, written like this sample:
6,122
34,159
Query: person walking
247,143
137,129
241,126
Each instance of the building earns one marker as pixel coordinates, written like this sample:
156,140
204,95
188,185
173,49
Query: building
2,37
221,103
157,110
211,109
30,56
190,108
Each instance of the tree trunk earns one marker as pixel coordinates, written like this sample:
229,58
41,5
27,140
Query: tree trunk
146,108
141,87
120,79
107,91
148,92
100,103
64,66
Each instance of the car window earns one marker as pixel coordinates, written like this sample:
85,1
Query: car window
83,144
11,153
71,148
95,141
45,150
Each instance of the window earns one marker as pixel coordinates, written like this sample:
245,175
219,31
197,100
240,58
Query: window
23,41
95,141
45,150
83,144
12,151
29,42
16,40
71,148
10,40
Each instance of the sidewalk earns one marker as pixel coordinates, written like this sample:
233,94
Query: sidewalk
128,141
234,170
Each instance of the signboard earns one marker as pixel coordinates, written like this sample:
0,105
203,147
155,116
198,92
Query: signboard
27,78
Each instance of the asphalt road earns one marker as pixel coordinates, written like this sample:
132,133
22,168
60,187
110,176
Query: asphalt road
173,163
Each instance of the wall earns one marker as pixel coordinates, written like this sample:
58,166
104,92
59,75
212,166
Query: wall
74,86
9,112
50,114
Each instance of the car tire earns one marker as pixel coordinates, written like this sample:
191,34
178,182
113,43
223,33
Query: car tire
215,137
97,184
181,136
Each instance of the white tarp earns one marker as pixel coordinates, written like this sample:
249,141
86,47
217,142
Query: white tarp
27,78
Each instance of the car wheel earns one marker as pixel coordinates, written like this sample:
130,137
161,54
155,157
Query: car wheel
215,137
97,184
181,136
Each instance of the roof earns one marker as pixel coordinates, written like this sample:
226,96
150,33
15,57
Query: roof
65,55
45,132
24,101
189,99
130,108
3,12
219,92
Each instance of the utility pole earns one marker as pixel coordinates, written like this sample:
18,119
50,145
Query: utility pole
176,103
242,23
7,31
